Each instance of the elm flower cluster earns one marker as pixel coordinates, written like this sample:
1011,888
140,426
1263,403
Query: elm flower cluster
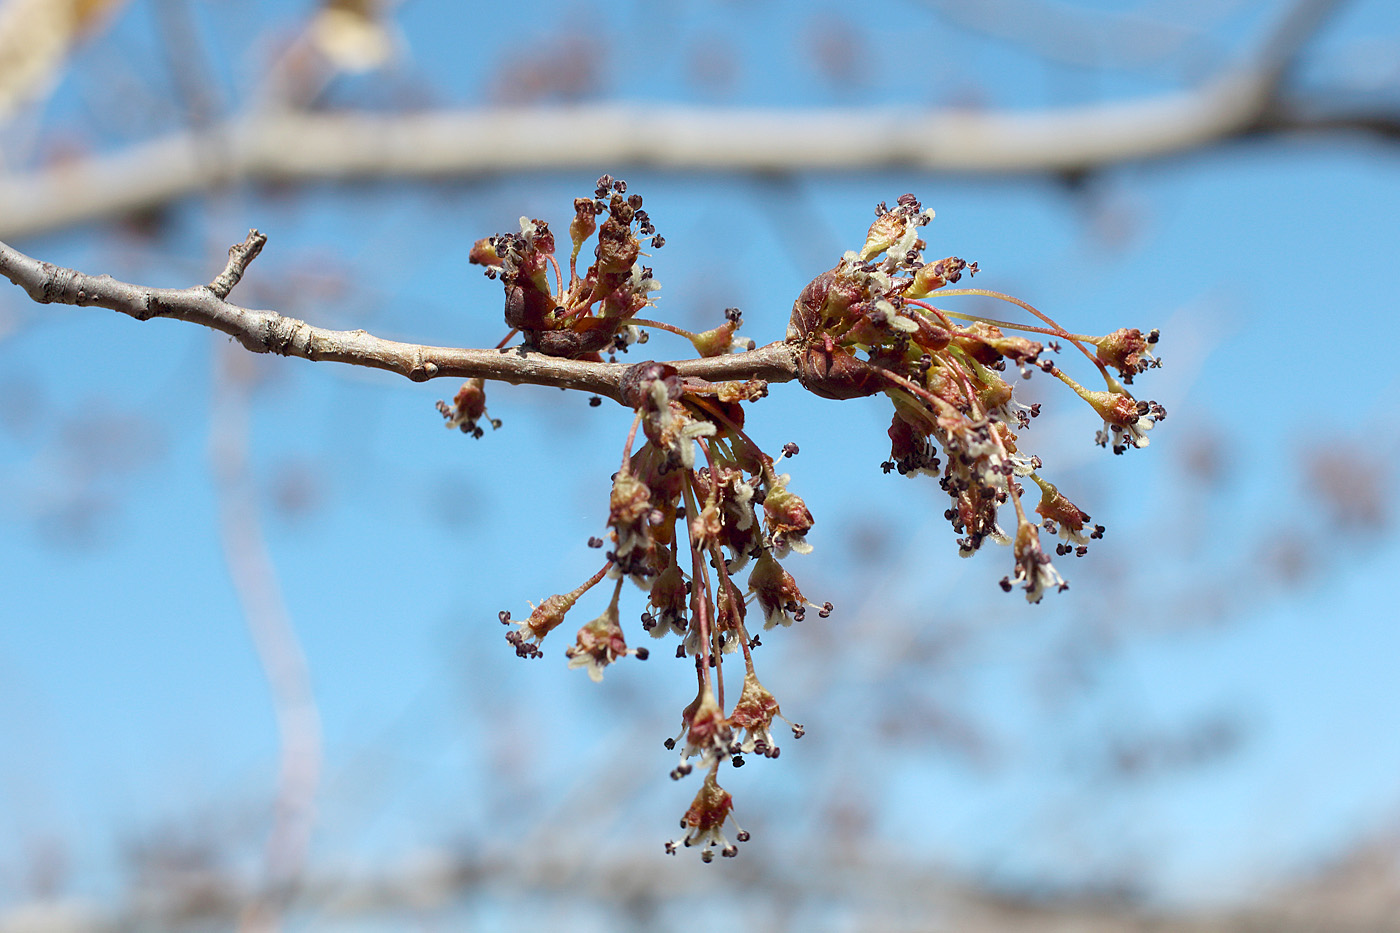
867,326
694,505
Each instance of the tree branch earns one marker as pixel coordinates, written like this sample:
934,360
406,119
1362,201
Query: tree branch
294,146
271,332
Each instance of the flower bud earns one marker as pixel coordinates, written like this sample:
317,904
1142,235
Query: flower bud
778,596
583,225
932,276
704,822
483,253
669,598
787,518
599,644
1127,350
754,713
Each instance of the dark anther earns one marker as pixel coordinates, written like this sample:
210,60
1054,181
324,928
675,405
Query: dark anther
620,186
595,401
790,449
595,541
743,835
680,651
670,745
738,761
658,241
1006,584
504,616
643,654
634,201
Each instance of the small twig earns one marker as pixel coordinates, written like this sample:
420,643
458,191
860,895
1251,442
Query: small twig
239,256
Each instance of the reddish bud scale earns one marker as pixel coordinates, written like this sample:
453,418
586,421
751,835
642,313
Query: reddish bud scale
831,372
636,389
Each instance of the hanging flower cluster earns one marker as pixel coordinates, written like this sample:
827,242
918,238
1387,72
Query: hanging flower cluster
696,502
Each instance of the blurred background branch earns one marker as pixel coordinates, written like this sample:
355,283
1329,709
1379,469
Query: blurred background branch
276,145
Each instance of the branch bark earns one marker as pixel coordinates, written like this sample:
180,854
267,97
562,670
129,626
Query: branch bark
270,332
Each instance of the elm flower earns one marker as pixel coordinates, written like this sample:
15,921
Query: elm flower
544,618
721,340
468,408
707,734
704,822
668,598
634,520
1064,517
779,598
1128,350
787,518
754,713
670,425
600,643
1033,568
1126,421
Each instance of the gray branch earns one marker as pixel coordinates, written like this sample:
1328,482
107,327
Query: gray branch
302,147
271,332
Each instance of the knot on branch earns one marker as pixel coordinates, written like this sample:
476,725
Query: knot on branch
59,285
284,335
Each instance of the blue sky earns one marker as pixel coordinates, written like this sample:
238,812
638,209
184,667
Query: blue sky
136,702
